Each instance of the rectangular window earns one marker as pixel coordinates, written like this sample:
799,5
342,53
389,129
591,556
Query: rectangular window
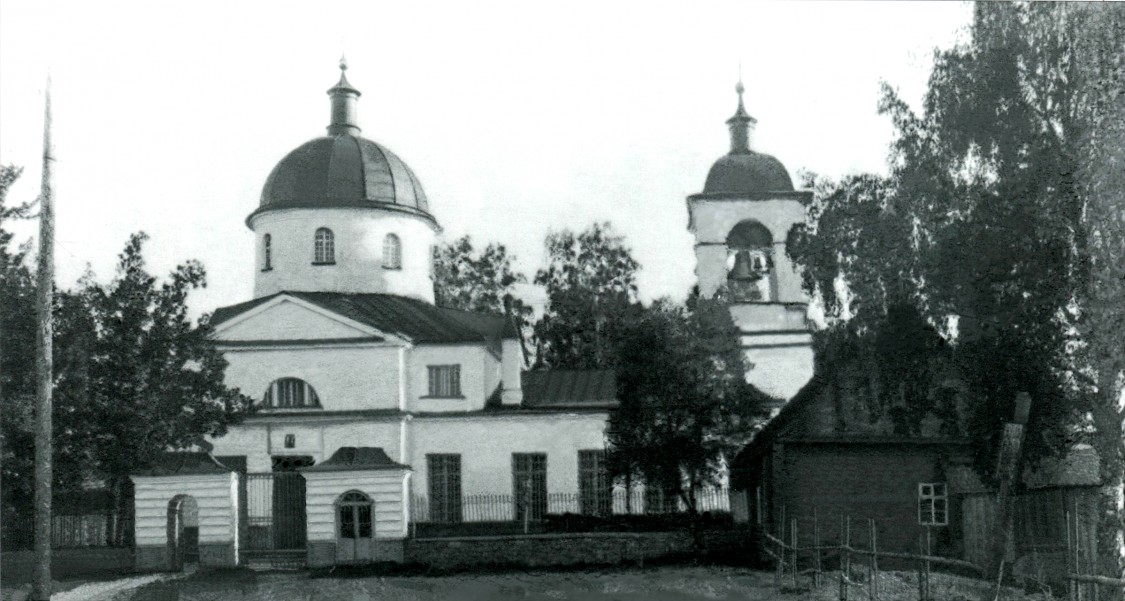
933,504
529,481
445,381
594,494
445,487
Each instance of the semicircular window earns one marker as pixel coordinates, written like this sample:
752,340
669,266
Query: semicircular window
290,392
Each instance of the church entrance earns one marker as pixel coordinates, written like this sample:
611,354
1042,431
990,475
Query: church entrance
275,504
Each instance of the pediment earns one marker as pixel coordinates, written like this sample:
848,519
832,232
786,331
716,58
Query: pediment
291,319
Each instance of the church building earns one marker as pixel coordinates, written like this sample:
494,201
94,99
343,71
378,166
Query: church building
379,411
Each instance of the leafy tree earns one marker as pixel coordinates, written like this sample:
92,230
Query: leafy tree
684,400
1000,225
17,363
138,377
479,281
590,280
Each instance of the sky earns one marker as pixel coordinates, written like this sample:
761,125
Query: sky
518,118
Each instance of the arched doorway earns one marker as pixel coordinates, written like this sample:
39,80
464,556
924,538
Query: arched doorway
183,532
354,528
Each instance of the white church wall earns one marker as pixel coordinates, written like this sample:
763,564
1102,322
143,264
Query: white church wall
712,221
780,372
359,235
480,374
345,377
486,445
261,441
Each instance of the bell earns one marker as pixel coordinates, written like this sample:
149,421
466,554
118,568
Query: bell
743,268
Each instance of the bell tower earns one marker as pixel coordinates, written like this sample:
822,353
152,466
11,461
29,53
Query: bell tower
741,221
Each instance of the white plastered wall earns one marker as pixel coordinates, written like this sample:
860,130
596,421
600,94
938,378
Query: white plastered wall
486,445
386,488
480,374
215,494
713,219
359,235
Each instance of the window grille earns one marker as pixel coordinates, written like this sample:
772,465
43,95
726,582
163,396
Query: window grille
529,482
933,504
445,487
324,247
594,492
290,392
661,499
445,381
392,252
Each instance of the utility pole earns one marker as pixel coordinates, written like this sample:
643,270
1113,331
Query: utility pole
44,370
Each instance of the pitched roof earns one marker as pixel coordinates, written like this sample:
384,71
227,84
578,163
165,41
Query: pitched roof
184,464
1079,466
413,319
557,388
355,459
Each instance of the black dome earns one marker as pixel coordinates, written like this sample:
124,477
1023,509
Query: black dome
343,171
747,172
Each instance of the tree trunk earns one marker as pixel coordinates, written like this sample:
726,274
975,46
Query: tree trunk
44,378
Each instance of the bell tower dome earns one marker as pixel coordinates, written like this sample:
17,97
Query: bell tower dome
341,213
740,221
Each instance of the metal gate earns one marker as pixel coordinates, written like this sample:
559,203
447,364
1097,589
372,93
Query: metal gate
275,519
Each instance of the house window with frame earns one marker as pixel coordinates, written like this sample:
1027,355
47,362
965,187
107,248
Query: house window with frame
445,487
392,252
290,392
324,247
445,381
267,252
661,499
529,483
933,504
594,493
354,515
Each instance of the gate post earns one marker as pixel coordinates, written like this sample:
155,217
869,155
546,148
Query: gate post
158,493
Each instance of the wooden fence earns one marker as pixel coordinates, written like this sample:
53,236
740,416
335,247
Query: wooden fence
1083,583
786,549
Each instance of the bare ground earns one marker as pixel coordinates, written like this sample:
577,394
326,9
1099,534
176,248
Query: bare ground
656,584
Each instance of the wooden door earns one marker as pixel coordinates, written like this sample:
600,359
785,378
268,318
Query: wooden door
355,532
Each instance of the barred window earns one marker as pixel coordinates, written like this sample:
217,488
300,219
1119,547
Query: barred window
445,487
594,494
267,253
445,381
933,504
324,247
392,252
290,392
529,481
661,499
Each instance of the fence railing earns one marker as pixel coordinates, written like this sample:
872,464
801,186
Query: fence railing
70,532
502,507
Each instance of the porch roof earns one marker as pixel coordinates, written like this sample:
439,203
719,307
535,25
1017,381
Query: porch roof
357,459
184,464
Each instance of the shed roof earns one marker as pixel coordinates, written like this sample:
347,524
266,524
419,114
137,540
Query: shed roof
410,318
1080,466
357,459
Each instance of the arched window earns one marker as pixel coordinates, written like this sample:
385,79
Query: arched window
353,510
392,252
290,392
324,247
750,274
267,253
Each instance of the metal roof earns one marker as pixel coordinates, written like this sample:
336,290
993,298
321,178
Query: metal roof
557,388
354,459
413,319
747,173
